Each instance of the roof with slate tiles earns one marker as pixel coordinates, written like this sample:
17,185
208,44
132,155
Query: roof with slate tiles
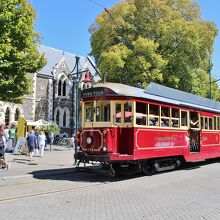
55,56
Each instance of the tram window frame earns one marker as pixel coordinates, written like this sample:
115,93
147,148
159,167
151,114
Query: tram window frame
92,107
206,123
164,116
128,106
141,109
210,119
218,125
202,119
185,122
100,107
120,118
154,115
215,122
175,118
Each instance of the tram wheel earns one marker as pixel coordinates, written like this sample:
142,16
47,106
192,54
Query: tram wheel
147,168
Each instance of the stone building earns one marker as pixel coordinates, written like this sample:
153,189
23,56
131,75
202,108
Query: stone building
51,97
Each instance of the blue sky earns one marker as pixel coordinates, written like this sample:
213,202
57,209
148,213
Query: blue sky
64,24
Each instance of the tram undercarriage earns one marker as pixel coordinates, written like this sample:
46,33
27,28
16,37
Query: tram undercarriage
146,167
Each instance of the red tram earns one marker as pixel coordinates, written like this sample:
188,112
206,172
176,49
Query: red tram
152,129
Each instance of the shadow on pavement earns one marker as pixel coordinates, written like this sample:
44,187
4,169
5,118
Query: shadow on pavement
82,174
97,174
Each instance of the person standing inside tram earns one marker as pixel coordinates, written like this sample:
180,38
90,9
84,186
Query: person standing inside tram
194,122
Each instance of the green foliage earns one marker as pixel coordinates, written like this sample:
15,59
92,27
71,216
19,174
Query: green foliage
51,127
163,41
18,49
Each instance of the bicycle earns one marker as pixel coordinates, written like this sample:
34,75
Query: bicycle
66,142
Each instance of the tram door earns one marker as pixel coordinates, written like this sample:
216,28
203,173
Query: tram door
194,132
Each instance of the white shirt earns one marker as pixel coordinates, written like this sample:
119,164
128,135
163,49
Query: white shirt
41,139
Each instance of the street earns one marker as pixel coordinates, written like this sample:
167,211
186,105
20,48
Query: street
50,188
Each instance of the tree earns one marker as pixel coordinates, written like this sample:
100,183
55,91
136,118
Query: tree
49,128
18,49
164,41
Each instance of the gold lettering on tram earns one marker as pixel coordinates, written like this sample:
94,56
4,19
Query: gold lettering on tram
165,139
204,138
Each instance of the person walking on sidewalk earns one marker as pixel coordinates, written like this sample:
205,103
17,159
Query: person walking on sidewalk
31,143
2,151
41,140
12,135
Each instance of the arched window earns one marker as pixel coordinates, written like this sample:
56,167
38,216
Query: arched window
7,116
64,88
58,117
64,119
59,87
17,113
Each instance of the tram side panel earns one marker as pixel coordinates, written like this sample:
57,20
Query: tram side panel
210,144
154,143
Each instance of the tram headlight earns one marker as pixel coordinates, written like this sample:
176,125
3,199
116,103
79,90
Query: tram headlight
78,147
89,140
104,149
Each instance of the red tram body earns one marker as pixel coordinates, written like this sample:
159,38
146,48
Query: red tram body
150,128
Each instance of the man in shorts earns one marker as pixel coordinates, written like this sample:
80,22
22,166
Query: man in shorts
31,143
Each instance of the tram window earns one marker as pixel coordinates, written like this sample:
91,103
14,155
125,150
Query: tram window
89,106
215,122
154,110
154,115
128,111
184,118
165,114
102,111
175,123
210,123
107,112
175,113
98,113
175,117
118,113
141,111
218,125
206,123
202,123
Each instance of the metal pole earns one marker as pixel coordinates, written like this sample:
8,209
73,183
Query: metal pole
53,106
210,77
76,105
72,101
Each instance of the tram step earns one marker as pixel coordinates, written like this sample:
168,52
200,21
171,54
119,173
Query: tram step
159,169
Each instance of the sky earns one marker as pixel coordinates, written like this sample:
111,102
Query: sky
64,24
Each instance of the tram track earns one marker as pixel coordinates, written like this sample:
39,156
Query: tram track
25,183
51,192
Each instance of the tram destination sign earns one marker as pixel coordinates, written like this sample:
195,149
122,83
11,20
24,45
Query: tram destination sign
94,92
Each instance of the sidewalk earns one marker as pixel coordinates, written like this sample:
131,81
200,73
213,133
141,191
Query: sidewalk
57,159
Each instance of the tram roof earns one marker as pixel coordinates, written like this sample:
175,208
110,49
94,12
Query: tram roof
164,94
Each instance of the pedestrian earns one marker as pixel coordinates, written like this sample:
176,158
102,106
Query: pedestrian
3,162
12,135
72,141
51,138
41,140
31,143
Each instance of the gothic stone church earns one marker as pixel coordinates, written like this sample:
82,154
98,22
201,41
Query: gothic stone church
53,96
